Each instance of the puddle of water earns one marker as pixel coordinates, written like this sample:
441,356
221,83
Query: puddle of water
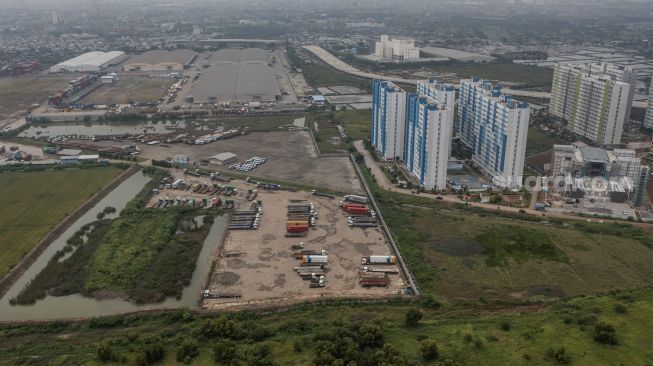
78,306
299,122
97,129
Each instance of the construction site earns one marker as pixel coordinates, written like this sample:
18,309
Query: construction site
286,246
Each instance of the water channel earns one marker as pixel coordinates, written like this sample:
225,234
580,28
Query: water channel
75,306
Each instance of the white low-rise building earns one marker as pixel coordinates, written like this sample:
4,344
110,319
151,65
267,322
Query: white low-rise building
398,49
90,62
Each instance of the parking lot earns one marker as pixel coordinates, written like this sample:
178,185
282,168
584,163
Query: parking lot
258,265
290,157
136,89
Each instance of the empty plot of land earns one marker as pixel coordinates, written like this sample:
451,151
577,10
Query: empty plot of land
263,271
134,89
32,203
347,89
17,94
291,157
494,258
347,99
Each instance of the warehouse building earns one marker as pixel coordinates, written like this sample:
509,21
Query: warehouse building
161,60
90,62
237,76
224,158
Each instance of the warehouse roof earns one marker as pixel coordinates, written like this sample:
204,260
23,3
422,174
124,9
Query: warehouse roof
95,58
183,57
223,156
237,76
69,152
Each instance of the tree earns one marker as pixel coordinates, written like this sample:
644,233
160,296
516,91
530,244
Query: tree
150,354
370,335
105,353
429,350
605,333
187,350
222,327
558,355
413,316
224,351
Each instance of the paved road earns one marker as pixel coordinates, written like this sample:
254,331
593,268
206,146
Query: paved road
340,65
384,183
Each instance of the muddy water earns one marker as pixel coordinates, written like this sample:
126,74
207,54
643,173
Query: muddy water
99,129
74,306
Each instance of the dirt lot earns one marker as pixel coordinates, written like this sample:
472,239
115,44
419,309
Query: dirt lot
17,94
264,273
291,157
130,89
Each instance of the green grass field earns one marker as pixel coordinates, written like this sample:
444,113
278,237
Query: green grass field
539,141
326,134
358,124
322,75
19,93
258,123
457,253
490,334
531,76
32,203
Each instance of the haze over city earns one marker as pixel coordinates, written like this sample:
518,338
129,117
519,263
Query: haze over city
359,183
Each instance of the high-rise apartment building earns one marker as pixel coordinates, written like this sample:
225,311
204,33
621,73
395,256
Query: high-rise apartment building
429,126
648,120
592,100
494,127
388,119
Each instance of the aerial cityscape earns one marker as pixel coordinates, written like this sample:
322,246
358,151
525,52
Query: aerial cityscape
336,183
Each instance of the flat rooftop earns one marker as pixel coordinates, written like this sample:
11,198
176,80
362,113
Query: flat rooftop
154,57
236,75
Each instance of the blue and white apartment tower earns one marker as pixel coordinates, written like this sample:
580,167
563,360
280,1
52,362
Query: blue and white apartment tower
429,130
494,127
388,119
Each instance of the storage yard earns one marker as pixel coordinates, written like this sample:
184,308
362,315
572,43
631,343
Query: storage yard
135,89
290,157
286,246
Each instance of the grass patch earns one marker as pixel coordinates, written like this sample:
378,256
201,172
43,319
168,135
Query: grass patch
32,203
443,247
326,134
464,335
66,276
539,141
321,75
357,123
511,242
264,123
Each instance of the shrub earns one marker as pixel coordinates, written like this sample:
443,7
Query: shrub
505,326
429,350
150,354
558,355
187,350
370,335
619,309
104,353
224,351
413,316
222,327
605,333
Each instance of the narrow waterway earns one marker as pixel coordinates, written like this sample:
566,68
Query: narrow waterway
74,306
